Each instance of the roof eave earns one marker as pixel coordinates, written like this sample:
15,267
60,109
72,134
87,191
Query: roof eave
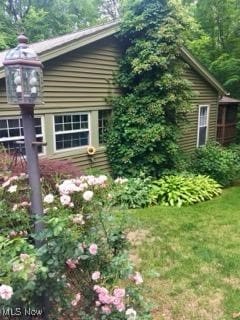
187,56
49,54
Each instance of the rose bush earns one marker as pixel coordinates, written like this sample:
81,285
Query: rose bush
82,268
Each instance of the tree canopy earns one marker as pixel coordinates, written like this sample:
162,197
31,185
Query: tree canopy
213,35
42,19
215,40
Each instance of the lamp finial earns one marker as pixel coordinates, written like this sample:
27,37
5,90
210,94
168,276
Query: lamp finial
22,38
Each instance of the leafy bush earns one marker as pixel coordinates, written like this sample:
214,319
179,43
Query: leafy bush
147,118
221,164
182,190
131,193
50,169
81,267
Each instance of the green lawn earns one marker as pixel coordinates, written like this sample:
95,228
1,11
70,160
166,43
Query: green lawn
190,258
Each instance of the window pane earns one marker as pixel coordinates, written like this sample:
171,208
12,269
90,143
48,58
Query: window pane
13,123
68,139
67,119
58,127
76,126
3,124
3,133
203,116
84,125
37,122
58,119
14,130
67,127
72,140
202,136
76,118
84,117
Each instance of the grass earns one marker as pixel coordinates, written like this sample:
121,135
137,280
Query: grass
190,258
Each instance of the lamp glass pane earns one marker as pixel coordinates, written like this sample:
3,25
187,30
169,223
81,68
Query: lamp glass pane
24,84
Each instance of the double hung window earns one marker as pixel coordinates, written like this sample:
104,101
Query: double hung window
202,125
71,130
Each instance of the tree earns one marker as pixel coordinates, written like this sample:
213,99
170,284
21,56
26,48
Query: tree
147,117
217,42
110,8
41,19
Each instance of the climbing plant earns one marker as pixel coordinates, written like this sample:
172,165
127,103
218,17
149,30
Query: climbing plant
155,97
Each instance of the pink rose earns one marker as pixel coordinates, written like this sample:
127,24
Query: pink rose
74,303
97,288
78,219
24,256
137,278
116,301
6,292
93,249
105,298
16,267
24,204
87,195
96,275
12,189
131,314
49,198
65,200
6,184
15,207
120,307
119,293
76,299
106,309
71,264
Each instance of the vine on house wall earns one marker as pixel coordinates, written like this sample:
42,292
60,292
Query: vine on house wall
155,97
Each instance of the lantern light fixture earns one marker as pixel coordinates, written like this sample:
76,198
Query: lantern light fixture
23,72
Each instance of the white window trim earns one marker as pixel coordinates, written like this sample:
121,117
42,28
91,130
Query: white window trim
17,138
198,130
71,131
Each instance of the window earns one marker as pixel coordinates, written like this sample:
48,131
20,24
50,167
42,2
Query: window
202,125
71,130
103,120
11,130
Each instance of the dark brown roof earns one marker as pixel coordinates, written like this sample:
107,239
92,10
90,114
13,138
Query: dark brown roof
228,100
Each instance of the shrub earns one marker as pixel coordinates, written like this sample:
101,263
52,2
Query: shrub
182,190
219,163
51,170
81,267
131,193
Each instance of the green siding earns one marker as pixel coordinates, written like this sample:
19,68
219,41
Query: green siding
204,94
82,81
78,81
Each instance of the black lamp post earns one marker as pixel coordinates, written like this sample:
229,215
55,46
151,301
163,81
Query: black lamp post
23,71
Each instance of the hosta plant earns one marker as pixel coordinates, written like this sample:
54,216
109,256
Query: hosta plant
179,190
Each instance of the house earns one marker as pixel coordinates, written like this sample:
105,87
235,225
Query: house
78,78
